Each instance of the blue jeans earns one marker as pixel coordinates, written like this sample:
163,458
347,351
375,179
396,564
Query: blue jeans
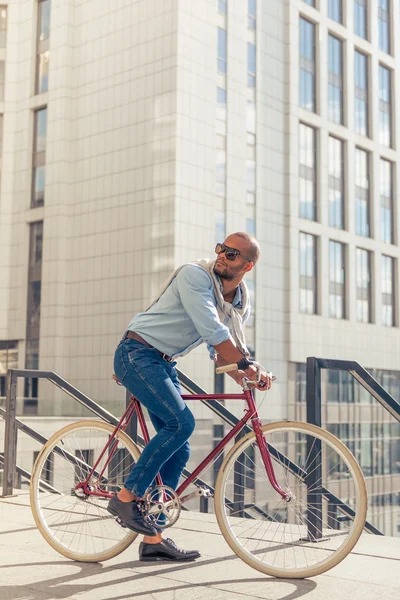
154,382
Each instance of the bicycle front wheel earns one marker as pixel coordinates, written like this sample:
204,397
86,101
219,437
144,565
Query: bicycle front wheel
317,527
77,525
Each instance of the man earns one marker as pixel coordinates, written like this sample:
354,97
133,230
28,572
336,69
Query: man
204,301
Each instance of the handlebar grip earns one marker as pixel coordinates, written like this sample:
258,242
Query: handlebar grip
226,368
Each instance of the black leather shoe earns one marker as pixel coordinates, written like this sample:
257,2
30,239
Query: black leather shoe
165,550
131,516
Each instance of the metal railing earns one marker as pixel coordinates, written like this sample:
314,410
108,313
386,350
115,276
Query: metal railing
314,416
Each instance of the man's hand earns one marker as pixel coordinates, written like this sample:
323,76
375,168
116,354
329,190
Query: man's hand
251,373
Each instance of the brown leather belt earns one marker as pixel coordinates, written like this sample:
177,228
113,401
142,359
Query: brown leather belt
132,335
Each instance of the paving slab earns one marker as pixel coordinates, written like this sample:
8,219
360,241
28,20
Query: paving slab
31,570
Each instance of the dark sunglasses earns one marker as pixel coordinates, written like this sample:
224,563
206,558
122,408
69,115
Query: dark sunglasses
230,253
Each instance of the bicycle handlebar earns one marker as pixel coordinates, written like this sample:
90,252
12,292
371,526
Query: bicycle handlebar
234,367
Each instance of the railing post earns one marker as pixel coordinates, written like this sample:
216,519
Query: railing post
314,479
10,438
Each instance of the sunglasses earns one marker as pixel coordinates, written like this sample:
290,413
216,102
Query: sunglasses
230,253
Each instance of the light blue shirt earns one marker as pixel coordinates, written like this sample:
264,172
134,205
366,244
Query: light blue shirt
186,315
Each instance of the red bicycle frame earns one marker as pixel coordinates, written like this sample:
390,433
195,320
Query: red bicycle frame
134,405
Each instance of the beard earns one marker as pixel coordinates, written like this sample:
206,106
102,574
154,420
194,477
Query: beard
224,272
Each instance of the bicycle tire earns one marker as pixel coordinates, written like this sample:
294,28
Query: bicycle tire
124,537
287,427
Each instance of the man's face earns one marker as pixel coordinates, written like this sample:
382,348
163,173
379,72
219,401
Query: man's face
230,269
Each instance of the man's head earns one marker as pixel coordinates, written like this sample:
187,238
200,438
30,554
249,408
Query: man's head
233,265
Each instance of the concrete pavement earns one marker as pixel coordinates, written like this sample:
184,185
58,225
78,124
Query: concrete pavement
31,570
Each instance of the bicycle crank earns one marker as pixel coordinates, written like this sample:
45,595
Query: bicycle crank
162,506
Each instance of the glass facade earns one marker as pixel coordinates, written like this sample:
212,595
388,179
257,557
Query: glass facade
386,194
360,18
39,158
308,274
384,25
42,47
361,93
335,79
251,65
388,295
362,195
307,65
307,173
3,26
33,314
222,50
335,10
337,280
363,292
385,106
252,13
336,182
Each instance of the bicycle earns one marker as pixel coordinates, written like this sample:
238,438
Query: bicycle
290,498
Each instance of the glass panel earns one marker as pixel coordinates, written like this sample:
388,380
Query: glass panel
219,226
220,174
386,187
44,20
361,93
3,26
251,117
360,18
39,179
221,50
2,79
387,271
362,193
336,183
222,6
40,130
307,274
363,272
251,176
36,245
385,108
34,304
307,171
307,65
252,14
251,228
251,65
43,72
335,10
336,280
384,25
335,80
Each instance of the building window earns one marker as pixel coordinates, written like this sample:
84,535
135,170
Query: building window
47,469
388,279
2,79
361,93
3,26
307,172
336,182
360,18
251,227
363,296
385,106
308,274
220,174
307,65
39,158
251,123
221,50
42,47
221,111
33,312
337,280
252,14
222,6
309,2
362,192
386,186
335,10
8,360
251,181
219,226
335,79
384,25
251,65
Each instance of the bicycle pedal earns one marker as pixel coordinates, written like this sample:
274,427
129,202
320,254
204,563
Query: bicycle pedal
120,522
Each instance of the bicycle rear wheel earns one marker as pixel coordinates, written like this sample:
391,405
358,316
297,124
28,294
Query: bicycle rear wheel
312,532
79,526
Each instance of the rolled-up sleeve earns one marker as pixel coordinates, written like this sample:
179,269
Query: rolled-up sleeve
195,288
